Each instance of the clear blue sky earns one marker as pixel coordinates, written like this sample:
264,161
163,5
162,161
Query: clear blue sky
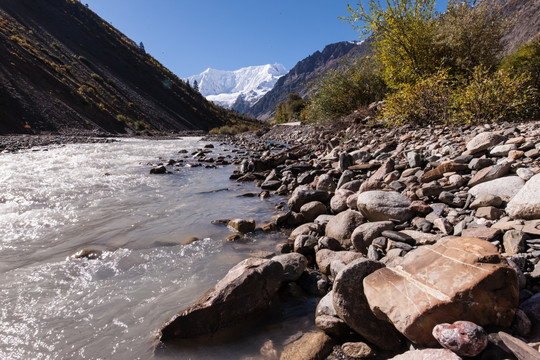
189,36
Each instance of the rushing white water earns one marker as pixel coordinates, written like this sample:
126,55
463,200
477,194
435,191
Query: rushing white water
101,196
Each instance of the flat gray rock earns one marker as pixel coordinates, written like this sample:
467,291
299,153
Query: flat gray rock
526,203
506,187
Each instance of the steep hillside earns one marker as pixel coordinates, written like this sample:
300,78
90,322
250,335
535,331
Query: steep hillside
64,69
525,15
302,73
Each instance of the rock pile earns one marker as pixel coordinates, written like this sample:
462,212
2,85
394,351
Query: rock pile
408,231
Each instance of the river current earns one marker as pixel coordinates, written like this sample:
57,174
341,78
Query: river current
60,200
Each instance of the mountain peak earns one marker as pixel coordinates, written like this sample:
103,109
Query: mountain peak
249,83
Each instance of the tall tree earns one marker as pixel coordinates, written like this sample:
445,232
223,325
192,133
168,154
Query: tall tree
196,86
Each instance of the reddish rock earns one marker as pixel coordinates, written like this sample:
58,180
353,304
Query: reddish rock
490,173
462,337
488,234
439,171
489,212
420,207
455,279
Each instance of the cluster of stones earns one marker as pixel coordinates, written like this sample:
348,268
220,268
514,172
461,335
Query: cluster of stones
412,237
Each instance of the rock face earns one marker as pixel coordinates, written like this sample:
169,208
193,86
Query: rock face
247,288
384,205
455,279
526,203
462,337
351,305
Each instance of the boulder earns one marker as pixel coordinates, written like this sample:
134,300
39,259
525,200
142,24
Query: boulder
326,183
490,173
352,307
293,265
364,234
341,226
305,229
242,226
324,258
357,350
302,196
427,354
384,205
246,290
311,346
506,187
483,141
462,337
526,203
514,242
333,326
338,203
519,348
455,279
312,209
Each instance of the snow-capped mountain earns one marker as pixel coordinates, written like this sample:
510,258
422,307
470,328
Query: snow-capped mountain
239,89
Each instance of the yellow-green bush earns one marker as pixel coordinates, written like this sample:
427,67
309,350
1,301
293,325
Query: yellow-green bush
484,97
343,90
427,101
492,97
526,60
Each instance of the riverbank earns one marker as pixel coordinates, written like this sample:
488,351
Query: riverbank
366,201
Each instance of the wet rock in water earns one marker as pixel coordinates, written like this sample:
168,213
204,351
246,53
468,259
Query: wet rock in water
235,237
483,142
302,196
247,289
158,170
526,203
428,354
293,264
90,254
352,307
242,226
462,337
190,240
357,350
341,226
384,205
455,279
311,346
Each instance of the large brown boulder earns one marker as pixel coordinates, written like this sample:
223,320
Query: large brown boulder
455,279
246,289
352,307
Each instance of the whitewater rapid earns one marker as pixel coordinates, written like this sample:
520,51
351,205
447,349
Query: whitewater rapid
59,200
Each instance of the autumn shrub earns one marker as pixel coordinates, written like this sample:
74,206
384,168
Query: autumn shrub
233,129
345,89
427,101
290,109
499,96
526,60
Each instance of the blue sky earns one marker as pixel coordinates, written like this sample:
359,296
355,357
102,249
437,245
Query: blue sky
189,36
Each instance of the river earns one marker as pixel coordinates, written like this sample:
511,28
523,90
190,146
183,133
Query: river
56,201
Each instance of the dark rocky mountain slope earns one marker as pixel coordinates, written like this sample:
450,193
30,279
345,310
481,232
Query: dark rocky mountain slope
525,15
63,69
297,80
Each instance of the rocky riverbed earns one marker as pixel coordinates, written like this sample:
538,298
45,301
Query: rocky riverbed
421,242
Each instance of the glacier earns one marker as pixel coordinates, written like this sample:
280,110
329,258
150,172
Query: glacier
238,89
